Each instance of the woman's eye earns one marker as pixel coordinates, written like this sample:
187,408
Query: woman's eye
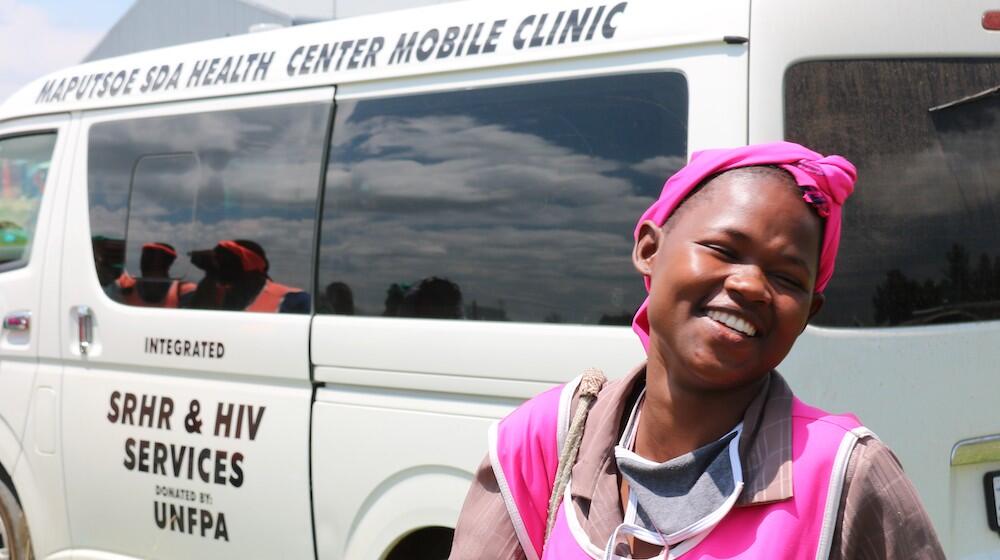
791,282
725,252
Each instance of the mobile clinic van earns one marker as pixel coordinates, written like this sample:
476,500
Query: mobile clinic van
262,296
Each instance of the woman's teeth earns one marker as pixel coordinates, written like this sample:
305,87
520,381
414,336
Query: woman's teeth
733,322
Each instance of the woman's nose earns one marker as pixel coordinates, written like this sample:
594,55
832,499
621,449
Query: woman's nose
750,282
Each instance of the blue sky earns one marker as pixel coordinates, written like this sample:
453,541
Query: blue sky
39,36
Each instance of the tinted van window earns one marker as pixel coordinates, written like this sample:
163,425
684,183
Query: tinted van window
24,167
208,210
511,203
921,238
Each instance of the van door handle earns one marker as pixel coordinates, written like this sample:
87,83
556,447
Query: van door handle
17,321
85,328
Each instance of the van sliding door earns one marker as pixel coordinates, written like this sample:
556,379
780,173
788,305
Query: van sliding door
187,286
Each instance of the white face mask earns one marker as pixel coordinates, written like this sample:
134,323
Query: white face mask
677,503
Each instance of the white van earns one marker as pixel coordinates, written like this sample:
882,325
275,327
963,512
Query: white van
263,295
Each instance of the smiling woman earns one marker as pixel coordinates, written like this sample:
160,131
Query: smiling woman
731,287
706,424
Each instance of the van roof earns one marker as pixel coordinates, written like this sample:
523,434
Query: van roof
433,39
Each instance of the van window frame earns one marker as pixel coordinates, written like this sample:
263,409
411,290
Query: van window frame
485,79
324,93
787,100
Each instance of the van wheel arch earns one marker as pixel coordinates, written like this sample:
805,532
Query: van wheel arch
403,509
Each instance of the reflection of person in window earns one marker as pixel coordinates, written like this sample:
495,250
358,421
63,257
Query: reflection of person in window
109,260
432,298
154,288
242,268
394,299
340,298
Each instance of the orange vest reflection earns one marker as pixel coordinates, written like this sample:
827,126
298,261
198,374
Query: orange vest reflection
270,297
129,292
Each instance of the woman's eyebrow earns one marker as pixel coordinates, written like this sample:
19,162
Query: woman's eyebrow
735,234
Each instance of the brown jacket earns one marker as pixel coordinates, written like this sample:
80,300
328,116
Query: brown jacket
881,516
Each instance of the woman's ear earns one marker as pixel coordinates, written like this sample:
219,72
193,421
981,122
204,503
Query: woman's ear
646,246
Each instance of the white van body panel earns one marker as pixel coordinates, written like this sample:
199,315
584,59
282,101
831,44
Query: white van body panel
29,375
38,474
20,289
921,389
114,508
634,25
395,464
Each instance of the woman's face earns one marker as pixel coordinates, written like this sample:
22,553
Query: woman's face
731,280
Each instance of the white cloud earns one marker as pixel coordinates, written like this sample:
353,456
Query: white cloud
661,166
458,160
32,45
513,218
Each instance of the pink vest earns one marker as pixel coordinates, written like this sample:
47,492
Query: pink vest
524,451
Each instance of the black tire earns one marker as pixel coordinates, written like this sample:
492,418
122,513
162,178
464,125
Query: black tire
14,539
429,543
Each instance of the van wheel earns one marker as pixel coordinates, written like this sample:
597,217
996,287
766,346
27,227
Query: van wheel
15,544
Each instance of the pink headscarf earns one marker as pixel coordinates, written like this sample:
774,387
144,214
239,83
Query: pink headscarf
826,183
